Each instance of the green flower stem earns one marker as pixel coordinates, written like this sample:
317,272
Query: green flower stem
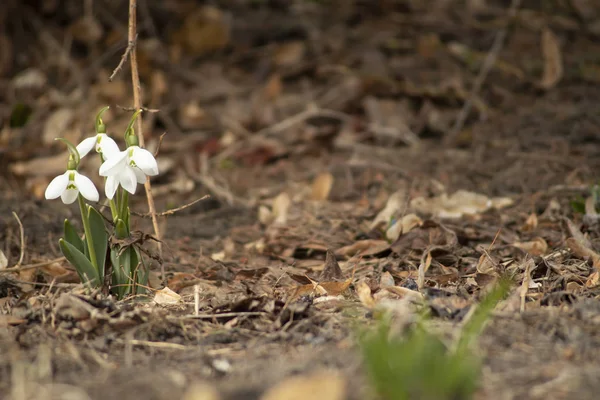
113,210
124,206
88,232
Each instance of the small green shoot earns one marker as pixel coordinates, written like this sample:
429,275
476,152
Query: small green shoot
419,365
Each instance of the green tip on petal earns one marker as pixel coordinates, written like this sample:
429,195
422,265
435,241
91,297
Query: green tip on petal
100,126
74,157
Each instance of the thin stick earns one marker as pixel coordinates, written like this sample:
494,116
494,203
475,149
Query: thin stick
196,299
224,315
31,266
174,210
21,238
137,103
159,345
488,63
130,46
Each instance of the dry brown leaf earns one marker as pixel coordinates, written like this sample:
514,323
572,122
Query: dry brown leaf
423,268
386,280
281,206
531,223
582,251
458,204
332,270
429,234
485,265
326,385
56,272
592,280
367,247
364,294
553,63
394,204
322,288
166,296
321,187
404,225
27,275
404,292
573,287
577,235
535,247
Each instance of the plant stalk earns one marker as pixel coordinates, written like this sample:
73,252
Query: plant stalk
88,233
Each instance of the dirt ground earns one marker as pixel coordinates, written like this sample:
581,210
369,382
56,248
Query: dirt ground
303,120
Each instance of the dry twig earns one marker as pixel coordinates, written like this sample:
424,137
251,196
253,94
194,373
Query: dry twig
31,266
130,46
488,63
137,104
21,239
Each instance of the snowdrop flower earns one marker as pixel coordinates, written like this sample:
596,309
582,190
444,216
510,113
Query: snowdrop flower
103,143
128,168
69,185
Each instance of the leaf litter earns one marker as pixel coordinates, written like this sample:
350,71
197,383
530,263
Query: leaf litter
332,199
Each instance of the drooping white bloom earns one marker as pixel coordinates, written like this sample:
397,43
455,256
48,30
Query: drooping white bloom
103,143
128,168
69,185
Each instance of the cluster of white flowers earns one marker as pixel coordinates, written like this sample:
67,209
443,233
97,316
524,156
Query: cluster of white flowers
126,168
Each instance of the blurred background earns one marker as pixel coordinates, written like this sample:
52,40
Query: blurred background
256,93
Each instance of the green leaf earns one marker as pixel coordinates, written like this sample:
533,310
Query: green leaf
142,275
122,276
72,237
121,229
83,266
99,238
118,274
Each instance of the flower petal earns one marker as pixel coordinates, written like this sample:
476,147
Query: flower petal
139,175
86,146
57,186
69,195
111,186
145,161
114,164
107,146
128,180
86,187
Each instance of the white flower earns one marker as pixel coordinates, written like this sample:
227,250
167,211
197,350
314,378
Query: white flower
104,144
127,168
69,185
